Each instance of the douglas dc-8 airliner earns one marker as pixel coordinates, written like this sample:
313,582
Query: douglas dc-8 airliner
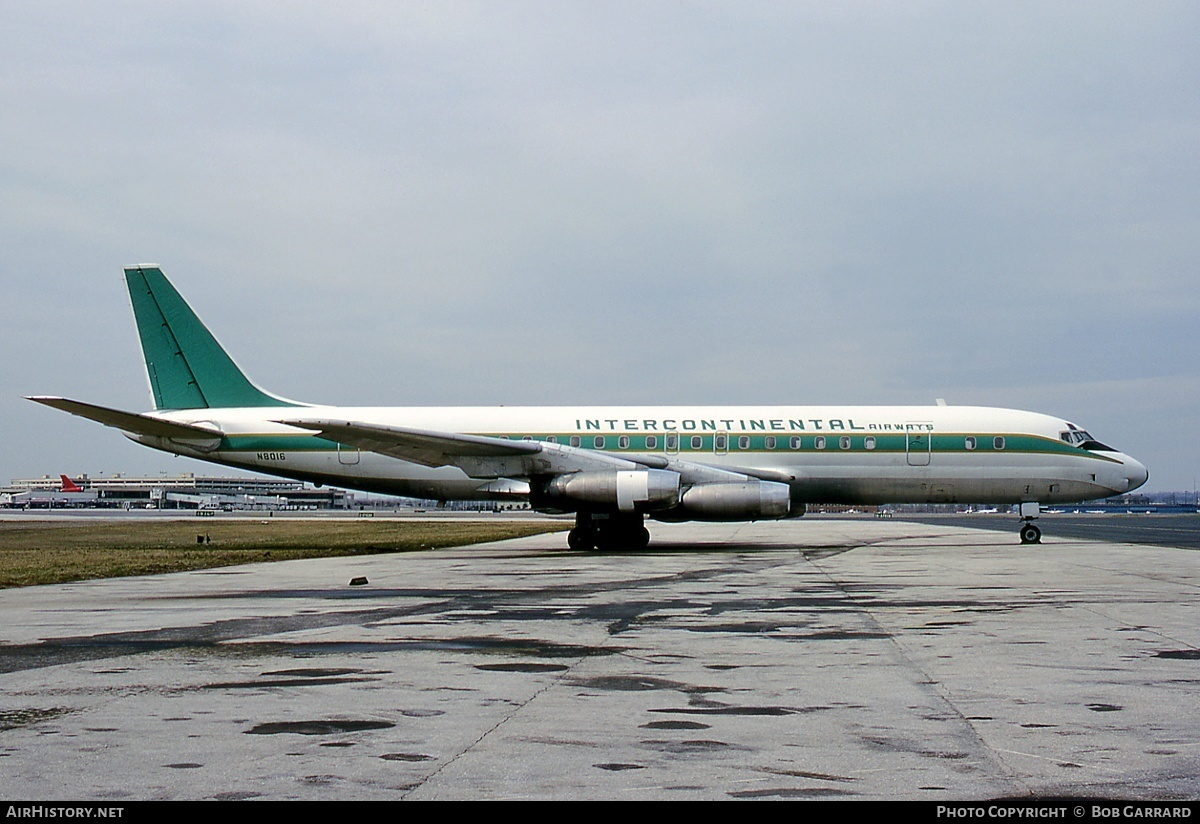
611,466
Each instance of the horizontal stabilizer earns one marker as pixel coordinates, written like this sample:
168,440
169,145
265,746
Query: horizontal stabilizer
130,422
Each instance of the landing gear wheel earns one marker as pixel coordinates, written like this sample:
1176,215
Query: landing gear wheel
610,540
582,539
622,536
1030,534
608,533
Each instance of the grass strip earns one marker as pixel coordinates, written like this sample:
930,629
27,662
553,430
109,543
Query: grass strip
51,552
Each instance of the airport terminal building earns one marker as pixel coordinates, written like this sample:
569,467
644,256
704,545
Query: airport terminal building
187,491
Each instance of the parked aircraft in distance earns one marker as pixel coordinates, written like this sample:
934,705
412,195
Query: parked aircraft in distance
69,494
611,466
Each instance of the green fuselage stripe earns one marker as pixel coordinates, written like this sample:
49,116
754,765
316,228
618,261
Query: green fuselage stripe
687,444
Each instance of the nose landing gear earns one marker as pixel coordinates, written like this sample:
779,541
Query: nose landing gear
1030,533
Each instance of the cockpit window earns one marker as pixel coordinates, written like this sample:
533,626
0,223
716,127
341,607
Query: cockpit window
1084,440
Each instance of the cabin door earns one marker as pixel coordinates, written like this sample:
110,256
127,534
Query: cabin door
918,444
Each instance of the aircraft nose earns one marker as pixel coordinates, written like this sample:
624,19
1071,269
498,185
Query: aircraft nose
1136,473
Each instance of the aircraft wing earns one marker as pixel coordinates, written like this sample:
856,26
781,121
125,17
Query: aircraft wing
477,455
130,421
698,473
416,445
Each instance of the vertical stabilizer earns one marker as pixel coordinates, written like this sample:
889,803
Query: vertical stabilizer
186,366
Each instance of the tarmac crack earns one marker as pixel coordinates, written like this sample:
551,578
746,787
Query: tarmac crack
513,713
925,681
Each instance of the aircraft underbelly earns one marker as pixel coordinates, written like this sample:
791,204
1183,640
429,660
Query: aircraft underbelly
948,481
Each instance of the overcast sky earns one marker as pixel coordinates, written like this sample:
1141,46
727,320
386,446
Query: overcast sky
426,203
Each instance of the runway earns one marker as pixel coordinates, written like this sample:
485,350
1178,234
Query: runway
813,659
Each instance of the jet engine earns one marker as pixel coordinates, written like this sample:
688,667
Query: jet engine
627,490
752,500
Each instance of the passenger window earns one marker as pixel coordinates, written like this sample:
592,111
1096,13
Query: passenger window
576,440
743,442
869,442
819,442
652,442
998,442
719,443
623,442
551,439
969,442
769,442
844,442
795,443
598,441
697,442
672,443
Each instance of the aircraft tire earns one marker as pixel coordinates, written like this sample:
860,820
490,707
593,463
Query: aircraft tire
622,536
582,539
1030,534
609,540
640,537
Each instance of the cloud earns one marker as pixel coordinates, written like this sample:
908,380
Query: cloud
546,202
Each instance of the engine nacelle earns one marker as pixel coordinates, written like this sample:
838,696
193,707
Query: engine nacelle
627,490
750,501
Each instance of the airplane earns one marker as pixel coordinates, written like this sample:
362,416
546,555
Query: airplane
68,494
611,466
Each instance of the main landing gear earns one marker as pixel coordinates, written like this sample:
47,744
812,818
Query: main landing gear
608,532
1030,533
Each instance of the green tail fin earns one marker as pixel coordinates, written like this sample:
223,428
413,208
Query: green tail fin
187,368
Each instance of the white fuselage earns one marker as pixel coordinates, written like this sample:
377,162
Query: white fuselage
826,454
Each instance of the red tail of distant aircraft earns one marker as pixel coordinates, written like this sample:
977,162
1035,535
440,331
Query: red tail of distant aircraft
69,486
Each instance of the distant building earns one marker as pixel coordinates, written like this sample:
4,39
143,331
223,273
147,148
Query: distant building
187,491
